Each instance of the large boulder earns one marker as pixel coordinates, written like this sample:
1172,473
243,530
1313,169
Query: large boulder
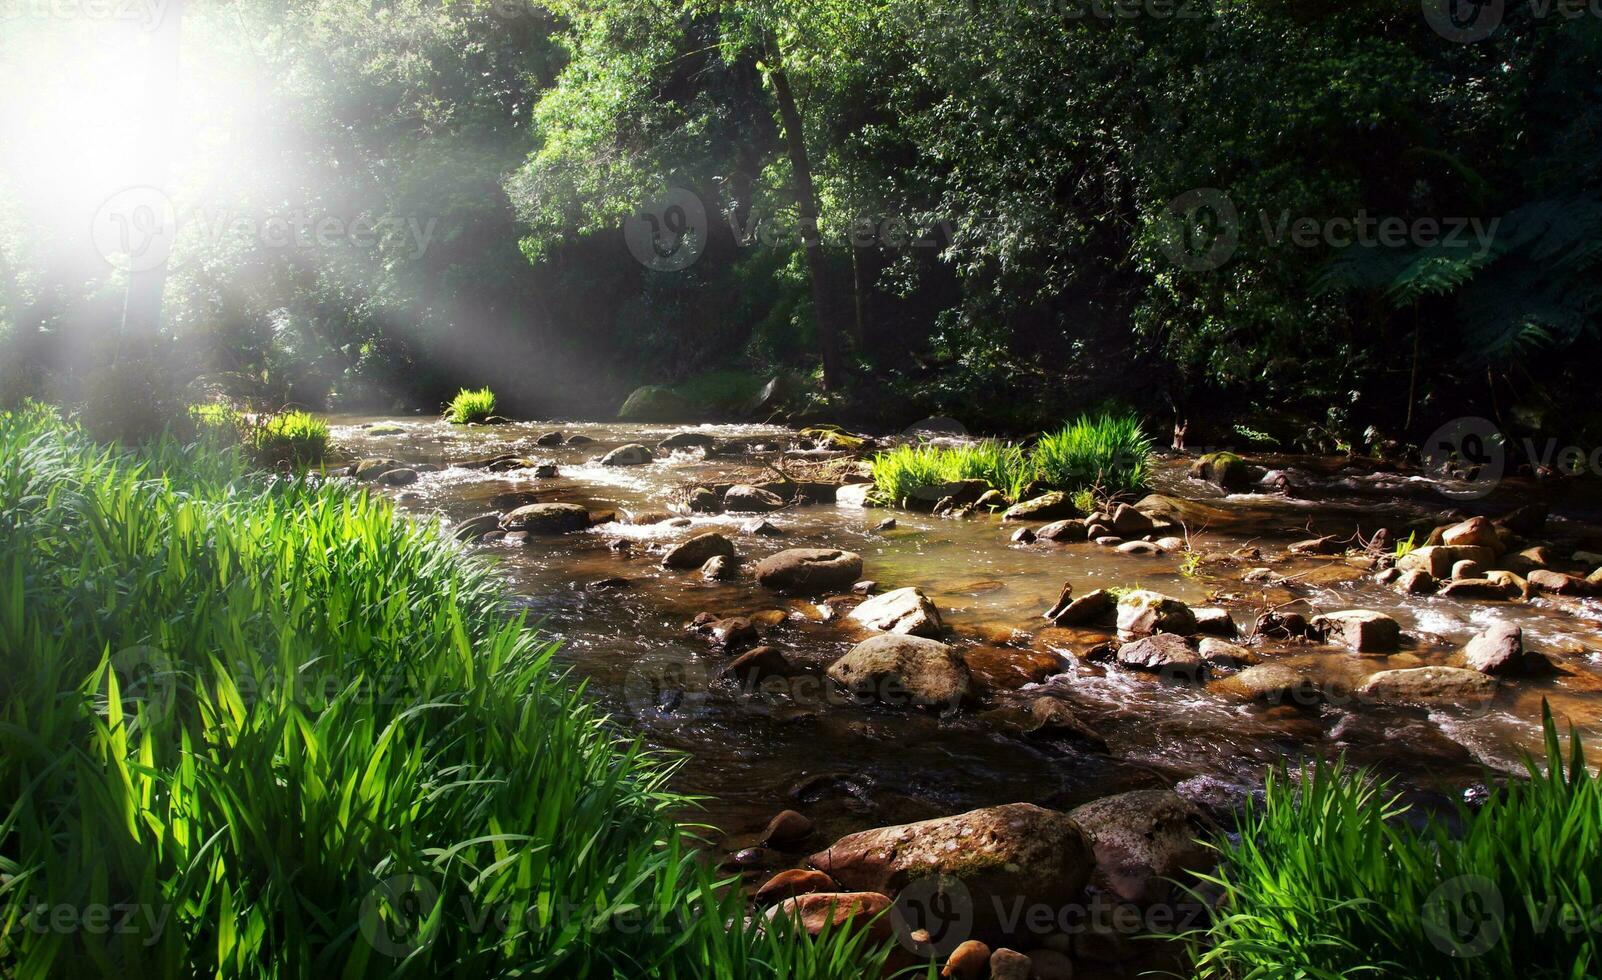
547,519
903,670
1225,470
630,455
906,611
810,570
687,440
1557,583
1145,841
751,500
1164,654
1009,857
1054,506
699,550
1276,684
1089,609
1430,686
1439,560
654,403
1142,613
1359,630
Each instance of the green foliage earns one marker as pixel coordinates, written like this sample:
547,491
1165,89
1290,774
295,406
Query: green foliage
470,406
301,734
900,472
1329,880
1405,548
1110,452
294,437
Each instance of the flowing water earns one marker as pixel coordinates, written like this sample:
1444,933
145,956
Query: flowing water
752,753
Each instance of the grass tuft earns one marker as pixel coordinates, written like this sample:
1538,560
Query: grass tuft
1109,452
902,471
470,406
1328,880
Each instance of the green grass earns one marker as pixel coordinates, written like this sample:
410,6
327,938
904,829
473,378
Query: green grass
1089,458
1109,452
1328,880
1405,548
294,437
898,473
470,406
239,706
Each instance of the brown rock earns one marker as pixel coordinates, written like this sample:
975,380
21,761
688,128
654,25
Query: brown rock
1213,621
1143,841
969,961
1359,630
699,550
816,911
1557,583
1004,854
1430,685
786,828
907,611
796,881
1164,654
1007,964
903,670
1088,609
1475,532
810,570
1498,650
1142,613
547,519
754,665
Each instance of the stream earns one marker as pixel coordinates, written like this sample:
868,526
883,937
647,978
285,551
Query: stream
751,753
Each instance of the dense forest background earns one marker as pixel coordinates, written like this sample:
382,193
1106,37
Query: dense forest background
1330,225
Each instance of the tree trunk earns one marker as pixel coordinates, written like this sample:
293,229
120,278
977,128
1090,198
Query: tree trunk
806,199
141,314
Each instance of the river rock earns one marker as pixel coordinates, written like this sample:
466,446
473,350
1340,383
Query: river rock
703,500
1139,549
630,455
577,440
1482,589
403,477
721,568
1318,546
901,670
1009,964
1439,560
1052,719
1541,580
477,526
547,519
1595,579
1222,653
969,961
810,570
1414,582
1024,536
1213,621
1089,609
1226,470
751,500
1055,506
1277,684
1467,569
787,828
1164,654
1131,523
853,495
1476,532
687,440
761,529
1004,855
754,665
728,635
1062,532
1430,686
372,469
906,611
1145,840
795,881
549,439
837,912
961,493
1359,630
1499,650
699,550
1143,612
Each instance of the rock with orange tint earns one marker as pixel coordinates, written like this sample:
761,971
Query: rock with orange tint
1008,668
794,882
970,961
837,910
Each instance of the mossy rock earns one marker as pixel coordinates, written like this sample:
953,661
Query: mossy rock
654,403
831,437
1227,470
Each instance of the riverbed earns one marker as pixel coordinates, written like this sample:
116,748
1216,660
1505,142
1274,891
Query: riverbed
622,619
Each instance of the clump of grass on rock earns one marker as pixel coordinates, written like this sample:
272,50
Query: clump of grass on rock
471,406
